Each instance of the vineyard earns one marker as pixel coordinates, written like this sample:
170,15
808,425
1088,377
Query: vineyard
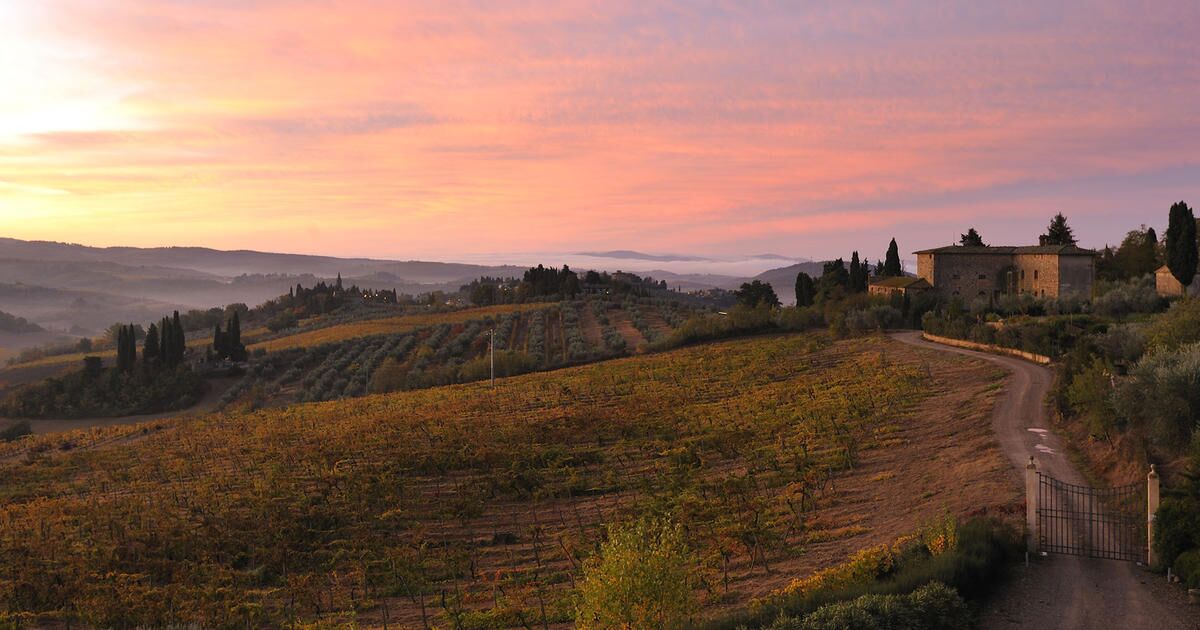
415,351
473,507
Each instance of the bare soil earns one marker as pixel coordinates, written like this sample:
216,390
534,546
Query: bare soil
589,326
620,320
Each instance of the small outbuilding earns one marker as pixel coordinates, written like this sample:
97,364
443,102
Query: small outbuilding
1169,286
902,285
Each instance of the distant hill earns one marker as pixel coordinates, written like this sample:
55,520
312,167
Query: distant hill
783,279
239,262
626,254
48,282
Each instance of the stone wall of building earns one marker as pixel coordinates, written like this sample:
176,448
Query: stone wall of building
966,275
1038,274
1168,286
971,276
1076,275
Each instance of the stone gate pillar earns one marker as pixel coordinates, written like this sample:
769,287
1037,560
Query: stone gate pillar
1031,520
1151,508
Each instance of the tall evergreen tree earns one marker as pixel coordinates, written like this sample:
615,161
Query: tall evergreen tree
855,272
972,239
122,360
219,344
806,291
1058,232
150,347
180,340
864,275
164,341
1182,255
891,263
132,350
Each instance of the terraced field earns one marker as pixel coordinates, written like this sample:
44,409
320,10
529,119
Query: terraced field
438,349
472,506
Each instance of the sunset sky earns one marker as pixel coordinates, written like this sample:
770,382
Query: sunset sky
430,130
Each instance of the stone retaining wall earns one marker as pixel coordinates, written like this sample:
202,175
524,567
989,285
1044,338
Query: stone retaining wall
983,347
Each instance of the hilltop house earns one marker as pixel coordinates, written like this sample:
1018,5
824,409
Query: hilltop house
1039,270
1169,286
898,285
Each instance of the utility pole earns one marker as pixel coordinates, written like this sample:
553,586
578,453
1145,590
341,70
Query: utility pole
492,352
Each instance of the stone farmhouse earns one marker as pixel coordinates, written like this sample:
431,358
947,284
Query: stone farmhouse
899,285
1169,286
1039,270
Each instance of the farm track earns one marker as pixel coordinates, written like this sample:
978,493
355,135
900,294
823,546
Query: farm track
620,320
1063,591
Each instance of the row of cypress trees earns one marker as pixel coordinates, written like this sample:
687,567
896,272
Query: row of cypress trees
164,345
227,344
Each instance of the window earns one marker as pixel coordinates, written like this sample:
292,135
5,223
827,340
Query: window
1022,274
983,276
954,277
1035,274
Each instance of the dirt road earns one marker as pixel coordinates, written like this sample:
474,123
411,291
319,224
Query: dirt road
1064,591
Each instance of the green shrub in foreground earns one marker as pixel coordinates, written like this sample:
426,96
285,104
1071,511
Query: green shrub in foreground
983,550
1187,566
934,606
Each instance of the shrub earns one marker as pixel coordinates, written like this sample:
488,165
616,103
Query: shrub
934,606
16,431
641,578
1138,295
508,363
1122,344
1163,395
1090,397
1180,325
982,548
1187,567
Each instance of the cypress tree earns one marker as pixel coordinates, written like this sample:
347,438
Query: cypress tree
855,272
806,289
164,343
131,350
1182,255
121,346
180,342
150,348
235,331
891,265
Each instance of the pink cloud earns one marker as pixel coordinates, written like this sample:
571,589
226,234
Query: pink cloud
454,126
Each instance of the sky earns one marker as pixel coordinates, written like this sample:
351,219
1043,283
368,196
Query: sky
451,129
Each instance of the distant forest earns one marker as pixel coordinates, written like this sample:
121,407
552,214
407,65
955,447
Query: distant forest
14,324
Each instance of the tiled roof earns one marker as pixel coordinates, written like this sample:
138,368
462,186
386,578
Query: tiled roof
901,282
1061,250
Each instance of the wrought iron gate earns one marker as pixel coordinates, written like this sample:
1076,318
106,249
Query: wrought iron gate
1093,522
